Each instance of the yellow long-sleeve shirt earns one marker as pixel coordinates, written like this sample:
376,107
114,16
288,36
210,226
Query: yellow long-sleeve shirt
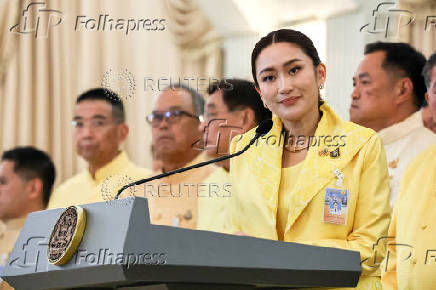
213,208
411,260
9,231
361,164
83,188
173,200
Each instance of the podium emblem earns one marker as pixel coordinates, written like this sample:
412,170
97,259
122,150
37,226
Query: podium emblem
66,235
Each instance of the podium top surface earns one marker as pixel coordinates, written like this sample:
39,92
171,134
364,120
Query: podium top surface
120,247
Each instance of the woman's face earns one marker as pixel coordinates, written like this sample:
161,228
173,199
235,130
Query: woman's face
288,81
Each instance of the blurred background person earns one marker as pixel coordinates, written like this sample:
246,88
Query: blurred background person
175,133
100,129
388,94
199,46
27,176
232,108
175,126
413,229
427,118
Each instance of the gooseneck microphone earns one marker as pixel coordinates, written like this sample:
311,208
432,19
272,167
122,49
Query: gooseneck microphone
263,128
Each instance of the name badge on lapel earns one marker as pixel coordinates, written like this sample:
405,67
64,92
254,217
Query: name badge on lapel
335,206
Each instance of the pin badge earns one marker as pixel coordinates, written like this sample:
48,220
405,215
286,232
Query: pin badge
335,153
394,163
187,215
339,176
176,221
324,152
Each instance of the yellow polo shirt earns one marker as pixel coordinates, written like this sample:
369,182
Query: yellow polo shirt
9,231
213,206
173,200
83,188
411,259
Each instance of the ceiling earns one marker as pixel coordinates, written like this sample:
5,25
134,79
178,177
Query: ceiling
233,16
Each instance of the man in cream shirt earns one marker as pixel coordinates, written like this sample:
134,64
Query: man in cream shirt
26,180
233,107
411,261
99,130
388,94
175,135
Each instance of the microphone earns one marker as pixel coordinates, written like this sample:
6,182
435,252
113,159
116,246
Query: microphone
263,128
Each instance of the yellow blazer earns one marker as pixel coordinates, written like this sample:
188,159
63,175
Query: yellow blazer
256,179
411,263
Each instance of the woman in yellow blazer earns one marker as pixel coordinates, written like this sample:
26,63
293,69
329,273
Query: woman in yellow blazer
313,178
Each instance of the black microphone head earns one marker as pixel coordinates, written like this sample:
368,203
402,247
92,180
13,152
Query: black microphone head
264,127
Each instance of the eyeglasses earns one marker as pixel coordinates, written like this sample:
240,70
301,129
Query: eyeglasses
171,117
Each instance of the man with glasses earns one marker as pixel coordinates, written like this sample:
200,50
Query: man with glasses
233,107
99,130
175,134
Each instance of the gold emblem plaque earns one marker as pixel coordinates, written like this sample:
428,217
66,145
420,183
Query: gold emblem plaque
66,235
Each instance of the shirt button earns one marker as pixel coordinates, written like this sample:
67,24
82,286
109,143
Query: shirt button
424,227
414,260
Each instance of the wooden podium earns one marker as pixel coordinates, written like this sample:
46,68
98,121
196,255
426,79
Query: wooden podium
120,248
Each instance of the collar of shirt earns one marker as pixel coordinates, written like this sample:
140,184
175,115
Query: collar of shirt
401,129
120,162
200,173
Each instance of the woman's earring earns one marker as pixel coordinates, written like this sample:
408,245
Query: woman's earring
321,86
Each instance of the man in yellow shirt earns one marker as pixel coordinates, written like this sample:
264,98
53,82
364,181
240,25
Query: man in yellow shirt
233,107
388,94
100,129
411,259
26,180
175,136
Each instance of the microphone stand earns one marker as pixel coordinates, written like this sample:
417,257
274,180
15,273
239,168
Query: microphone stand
180,170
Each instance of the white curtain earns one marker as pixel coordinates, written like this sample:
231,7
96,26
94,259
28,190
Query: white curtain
43,76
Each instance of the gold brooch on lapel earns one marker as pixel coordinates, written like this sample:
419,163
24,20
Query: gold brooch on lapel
394,163
335,153
324,152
